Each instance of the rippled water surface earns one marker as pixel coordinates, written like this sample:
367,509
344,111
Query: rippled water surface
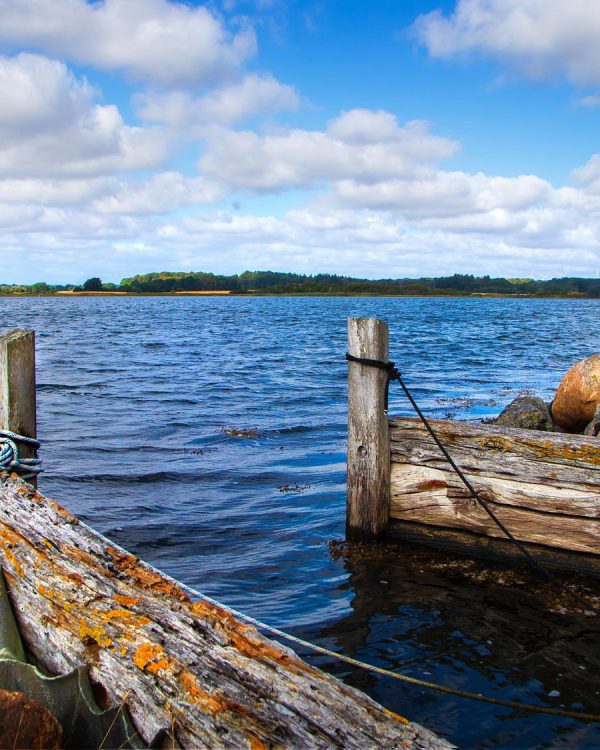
135,399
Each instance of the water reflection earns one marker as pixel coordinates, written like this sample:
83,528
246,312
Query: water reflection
498,631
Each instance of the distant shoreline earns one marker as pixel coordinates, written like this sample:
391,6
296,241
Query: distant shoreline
249,295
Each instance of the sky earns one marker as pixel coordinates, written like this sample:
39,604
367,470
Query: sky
389,138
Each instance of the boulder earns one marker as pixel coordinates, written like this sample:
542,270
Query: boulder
24,723
528,413
578,395
593,427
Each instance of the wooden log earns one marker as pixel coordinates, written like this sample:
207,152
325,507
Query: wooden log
17,387
500,451
367,503
492,549
434,498
181,664
543,487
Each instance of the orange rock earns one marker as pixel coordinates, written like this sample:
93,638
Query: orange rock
24,723
578,395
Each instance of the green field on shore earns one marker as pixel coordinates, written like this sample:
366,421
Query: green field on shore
278,283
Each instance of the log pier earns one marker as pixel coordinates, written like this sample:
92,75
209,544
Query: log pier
183,667
545,487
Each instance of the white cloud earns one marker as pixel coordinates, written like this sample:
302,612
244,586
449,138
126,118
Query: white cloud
539,37
161,193
52,192
589,175
166,42
361,144
593,100
50,126
435,193
225,105
68,244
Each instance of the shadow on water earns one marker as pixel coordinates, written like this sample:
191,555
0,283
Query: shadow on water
498,631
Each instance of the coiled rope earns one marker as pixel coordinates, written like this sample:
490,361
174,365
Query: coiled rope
11,461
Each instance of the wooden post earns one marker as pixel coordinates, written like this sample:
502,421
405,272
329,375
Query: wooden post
17,387
368,480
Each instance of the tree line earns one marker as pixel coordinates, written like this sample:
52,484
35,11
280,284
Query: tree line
272,282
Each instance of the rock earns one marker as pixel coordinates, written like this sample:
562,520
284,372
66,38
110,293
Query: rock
578,395
528,413
24,723
593,427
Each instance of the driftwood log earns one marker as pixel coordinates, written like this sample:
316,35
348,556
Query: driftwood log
181,665
545,487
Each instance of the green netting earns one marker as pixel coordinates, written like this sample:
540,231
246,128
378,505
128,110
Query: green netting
70,696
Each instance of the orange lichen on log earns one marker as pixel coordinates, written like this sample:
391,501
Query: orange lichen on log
546,449
150,657
399,718
86,559
93,633
128,617
9,543
242,638
256,744
126,601
209,703
495,444
148,579
69,517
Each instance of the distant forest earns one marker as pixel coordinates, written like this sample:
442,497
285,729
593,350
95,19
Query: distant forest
270,282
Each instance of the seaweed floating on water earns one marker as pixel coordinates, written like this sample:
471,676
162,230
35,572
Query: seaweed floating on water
244,432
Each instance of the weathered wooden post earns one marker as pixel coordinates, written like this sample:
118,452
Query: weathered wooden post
368,480
17,387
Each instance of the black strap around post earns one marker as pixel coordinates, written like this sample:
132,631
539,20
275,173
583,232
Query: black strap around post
389,367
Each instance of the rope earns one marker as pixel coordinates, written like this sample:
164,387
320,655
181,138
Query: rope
10,461
394,374
516,705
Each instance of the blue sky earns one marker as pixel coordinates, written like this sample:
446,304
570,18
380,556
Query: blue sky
372,139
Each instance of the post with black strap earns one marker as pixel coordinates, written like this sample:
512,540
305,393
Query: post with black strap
18,429
368,479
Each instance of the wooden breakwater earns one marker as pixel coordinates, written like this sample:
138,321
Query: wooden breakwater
544,487
182,667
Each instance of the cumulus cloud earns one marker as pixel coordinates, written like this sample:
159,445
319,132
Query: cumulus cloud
589,175
439,193
66,243
161,193
56,192
163,41
225,105
361,144
538,37
51,126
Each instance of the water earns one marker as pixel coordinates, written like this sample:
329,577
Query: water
135,399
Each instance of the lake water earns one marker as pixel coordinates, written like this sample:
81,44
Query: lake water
135,397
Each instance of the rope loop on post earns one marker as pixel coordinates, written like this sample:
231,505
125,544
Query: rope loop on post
390,367
392,372
11,461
